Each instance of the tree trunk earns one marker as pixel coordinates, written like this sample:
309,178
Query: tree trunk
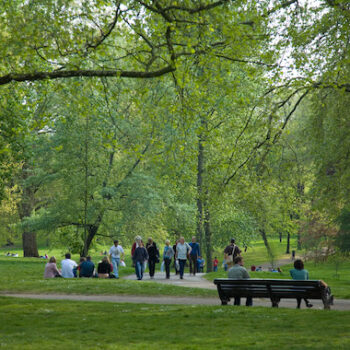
207,231
299,241
200,165
288,244
91,232
25,208
267,245
280,237
30,248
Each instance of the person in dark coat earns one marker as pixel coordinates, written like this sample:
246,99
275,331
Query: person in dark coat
153,256
139,258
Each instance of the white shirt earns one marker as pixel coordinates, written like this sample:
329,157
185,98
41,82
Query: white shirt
67,268
115,251
182,250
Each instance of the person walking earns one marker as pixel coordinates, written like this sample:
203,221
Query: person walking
299,273
215,264
136,243
167,256
230,253
174,249
239,272
116,253
194,255
140,257
153,256
183,250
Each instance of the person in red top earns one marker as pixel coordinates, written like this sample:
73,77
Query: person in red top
215,264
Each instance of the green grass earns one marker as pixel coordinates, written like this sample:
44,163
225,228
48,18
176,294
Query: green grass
35,324
26,275
339,284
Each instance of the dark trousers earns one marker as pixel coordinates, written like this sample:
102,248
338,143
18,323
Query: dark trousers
299,302
167,263
151,266
182,263
193,264
249,301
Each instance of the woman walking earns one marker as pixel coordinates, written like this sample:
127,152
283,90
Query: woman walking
182,253
167,256
140,257
153,256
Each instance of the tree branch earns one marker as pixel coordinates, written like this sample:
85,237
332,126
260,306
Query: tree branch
6,79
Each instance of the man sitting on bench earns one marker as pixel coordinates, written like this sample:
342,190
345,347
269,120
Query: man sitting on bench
239,272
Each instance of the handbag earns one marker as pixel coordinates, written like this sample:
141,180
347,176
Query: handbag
229,258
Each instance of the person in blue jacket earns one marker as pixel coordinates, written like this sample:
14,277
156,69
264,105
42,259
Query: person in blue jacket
194,254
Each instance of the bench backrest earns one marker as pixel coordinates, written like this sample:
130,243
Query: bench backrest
269,288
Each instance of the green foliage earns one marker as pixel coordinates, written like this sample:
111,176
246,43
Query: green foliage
342,239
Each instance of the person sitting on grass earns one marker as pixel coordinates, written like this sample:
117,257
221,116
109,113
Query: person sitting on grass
51,269
87,268
300,274
237,271
67,266
104,268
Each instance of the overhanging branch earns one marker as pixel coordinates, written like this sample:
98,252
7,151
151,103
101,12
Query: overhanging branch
35,76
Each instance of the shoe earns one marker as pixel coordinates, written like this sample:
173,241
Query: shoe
309,305
181,278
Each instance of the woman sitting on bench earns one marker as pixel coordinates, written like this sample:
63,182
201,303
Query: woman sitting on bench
299,273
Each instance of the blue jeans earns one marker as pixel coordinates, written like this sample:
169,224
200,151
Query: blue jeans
182,263
115,263
215,269
139,269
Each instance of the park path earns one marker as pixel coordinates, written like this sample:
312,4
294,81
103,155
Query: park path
195,281
189,281
342,305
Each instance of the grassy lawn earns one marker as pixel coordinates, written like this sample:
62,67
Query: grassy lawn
339,284
92,325
26,275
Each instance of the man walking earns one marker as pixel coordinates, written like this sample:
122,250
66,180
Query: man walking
195,253
116,253
239,272
230,252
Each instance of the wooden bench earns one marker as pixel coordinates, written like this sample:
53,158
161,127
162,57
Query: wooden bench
275,289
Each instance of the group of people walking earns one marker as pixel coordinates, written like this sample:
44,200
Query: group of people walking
179,253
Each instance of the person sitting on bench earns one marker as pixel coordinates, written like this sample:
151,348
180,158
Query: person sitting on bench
299,273
239,272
